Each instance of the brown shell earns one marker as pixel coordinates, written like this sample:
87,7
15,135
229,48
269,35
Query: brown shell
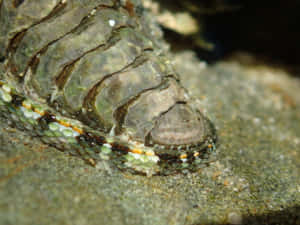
94,61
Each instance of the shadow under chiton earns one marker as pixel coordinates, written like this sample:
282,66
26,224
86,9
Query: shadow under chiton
88,78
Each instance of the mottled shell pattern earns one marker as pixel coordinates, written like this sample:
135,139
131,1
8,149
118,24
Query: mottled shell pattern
88,77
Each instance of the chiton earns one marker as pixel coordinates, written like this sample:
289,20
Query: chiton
90,78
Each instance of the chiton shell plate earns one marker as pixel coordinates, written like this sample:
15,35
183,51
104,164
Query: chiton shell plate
89,79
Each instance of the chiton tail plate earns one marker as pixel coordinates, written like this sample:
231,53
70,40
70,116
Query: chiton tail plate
89,79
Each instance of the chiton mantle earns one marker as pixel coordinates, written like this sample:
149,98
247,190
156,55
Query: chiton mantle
90,78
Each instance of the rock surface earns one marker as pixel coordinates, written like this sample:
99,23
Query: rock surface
256,176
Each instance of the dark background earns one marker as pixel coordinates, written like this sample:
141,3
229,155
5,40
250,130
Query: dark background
267,29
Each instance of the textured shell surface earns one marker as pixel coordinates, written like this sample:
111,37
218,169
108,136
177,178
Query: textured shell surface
90,78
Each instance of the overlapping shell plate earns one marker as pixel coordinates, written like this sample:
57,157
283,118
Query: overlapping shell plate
87,78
